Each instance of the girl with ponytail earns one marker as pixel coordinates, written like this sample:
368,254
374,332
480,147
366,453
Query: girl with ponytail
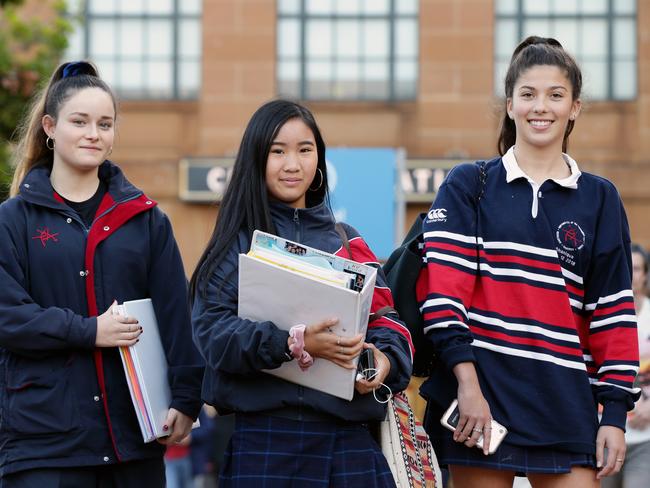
77,237
526,297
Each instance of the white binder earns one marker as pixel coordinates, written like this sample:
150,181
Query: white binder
287,298
145,366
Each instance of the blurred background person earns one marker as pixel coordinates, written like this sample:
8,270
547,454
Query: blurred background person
636,470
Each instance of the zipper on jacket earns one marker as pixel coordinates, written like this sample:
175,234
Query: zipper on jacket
112,207
296,221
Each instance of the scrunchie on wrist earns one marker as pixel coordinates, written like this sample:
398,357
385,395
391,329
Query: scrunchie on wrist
297,333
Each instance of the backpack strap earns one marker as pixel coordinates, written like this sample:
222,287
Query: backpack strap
346,244
383,311
482,179
344,238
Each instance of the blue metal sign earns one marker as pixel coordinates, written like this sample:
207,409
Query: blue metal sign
363,188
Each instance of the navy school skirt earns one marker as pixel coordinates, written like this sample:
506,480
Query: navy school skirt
270,452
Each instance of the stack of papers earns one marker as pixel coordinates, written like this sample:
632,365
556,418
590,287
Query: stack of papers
288,283
145,366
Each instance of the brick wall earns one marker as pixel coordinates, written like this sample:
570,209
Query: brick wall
455,113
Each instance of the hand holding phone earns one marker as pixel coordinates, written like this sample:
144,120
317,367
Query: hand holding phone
366,368
450,421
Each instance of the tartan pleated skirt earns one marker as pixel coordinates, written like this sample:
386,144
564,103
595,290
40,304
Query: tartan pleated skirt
274,452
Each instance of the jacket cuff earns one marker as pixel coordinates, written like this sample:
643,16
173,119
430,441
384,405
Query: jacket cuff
189,408
276,347
185,384
461,353
614,414
83,332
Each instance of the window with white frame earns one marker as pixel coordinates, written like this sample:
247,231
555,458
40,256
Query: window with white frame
145,49
600,34
347,49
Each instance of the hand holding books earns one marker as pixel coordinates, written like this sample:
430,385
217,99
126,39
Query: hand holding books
321,342
114,329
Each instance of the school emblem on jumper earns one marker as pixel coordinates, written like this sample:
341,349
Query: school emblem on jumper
45,235
570,236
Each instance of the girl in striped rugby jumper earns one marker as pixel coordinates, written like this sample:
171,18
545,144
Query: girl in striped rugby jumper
526,296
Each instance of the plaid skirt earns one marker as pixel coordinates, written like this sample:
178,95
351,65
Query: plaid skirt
270,452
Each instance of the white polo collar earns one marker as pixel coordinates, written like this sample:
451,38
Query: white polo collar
513,171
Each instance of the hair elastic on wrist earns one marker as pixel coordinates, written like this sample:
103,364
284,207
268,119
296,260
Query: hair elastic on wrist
297,332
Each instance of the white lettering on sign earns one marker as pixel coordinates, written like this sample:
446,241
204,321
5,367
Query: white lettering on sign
217,179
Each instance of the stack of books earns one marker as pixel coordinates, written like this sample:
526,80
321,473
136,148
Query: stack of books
145,366
288,283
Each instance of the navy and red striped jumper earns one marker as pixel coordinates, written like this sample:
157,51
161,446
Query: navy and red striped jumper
532,285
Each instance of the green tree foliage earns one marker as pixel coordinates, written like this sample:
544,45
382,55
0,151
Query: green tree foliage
30,49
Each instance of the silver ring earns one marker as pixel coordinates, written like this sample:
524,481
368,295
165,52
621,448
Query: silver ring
478,430
619,460
338,340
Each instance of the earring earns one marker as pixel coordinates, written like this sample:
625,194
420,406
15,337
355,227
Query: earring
47,143
321,181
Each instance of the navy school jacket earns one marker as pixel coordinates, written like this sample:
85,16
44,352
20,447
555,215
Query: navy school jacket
236,350
64,402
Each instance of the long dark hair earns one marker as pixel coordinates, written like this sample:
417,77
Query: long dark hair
537,51
245,204
67,79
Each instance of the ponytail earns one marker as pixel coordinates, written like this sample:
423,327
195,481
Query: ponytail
31,149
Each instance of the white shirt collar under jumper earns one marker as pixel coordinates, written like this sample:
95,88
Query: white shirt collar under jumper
513,172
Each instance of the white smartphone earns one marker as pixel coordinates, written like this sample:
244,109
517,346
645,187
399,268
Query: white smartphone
450,420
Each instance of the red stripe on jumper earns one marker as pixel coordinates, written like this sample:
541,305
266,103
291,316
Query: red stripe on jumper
627,305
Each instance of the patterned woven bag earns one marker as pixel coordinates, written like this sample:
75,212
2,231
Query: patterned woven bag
407,447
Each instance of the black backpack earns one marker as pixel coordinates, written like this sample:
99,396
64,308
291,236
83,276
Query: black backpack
402,270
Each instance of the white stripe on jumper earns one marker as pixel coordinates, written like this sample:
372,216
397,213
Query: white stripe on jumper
434,302
618,367
604,383
452,259
533,329
540,251
530,355
444,325
612,320
571,276
451,235
610,298
523,274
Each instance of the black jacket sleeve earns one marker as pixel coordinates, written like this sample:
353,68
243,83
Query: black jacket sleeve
169,295
26,328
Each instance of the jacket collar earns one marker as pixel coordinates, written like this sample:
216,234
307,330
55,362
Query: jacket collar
513,171
36,187
316,217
